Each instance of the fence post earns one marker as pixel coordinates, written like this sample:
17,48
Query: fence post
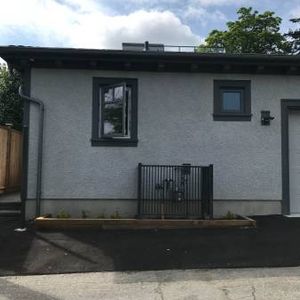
139,188
207,192
211,191
8,160
204,192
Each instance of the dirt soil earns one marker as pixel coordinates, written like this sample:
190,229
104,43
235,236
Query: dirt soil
275,242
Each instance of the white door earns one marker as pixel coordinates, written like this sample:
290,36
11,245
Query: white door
294,161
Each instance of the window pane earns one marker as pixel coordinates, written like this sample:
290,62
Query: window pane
112,115
231,101
113,111
108,96
116,110
118,93
127,111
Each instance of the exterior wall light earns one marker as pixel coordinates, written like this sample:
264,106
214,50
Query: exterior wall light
266,118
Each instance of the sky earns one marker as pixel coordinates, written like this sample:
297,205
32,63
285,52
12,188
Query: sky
108,23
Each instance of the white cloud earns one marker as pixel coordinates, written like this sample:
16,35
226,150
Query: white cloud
162,27
286,25
77,23
83,5
194,12
295,12
203,16
188,2
221,2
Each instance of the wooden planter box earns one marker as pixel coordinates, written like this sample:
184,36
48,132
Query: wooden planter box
136,224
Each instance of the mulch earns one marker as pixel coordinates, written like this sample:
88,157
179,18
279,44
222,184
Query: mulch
275,242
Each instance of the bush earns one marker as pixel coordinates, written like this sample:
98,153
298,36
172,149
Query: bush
63,215
11,105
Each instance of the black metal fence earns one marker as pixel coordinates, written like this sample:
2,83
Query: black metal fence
175,191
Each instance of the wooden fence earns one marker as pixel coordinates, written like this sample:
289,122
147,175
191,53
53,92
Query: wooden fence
10,159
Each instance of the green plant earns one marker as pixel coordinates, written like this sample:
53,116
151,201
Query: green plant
115,215
84,214
63,215
252,32
229,215
11,104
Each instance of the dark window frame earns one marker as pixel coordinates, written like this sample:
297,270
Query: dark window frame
98,140
242,86
287,106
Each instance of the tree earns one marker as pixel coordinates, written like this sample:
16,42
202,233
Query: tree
294,37
251,33
11,109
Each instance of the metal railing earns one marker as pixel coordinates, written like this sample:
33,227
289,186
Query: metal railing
175,191
140,47
199,49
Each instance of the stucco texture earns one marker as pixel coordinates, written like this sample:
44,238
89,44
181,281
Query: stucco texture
175,126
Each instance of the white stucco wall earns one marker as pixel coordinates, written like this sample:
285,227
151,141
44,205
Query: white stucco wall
175,126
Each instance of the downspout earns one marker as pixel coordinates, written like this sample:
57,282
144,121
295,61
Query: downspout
40,148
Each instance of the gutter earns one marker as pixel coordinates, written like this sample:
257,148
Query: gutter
40,147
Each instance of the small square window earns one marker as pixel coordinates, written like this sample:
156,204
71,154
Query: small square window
232,100
114,112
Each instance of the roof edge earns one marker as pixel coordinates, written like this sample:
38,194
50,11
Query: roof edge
53,57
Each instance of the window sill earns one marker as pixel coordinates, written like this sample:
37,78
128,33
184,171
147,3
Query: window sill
114,142
232,117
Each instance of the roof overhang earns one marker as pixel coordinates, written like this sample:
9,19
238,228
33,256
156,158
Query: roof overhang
21,57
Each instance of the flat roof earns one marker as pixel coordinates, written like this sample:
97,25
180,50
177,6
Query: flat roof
21,57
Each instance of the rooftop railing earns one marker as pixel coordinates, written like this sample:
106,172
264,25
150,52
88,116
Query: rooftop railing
200,49
169,48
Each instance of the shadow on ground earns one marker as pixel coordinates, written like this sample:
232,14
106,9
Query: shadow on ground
13,291
275,242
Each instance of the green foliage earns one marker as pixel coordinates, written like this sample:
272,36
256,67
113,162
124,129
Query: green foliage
205,49
229,216
63,215
114,116
84,214
294,37
115,215
251,33
11,110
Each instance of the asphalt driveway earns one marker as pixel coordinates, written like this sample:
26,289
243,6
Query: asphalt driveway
275,242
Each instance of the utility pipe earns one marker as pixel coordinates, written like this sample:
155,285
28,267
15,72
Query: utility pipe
40,148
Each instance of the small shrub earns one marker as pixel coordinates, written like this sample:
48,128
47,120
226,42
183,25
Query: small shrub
84,214
115,215
63,215
229,215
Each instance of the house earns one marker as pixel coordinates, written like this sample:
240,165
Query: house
106,111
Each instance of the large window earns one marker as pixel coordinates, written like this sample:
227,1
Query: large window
114,112
232,100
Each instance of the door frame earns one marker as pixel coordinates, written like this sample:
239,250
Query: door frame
287,105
